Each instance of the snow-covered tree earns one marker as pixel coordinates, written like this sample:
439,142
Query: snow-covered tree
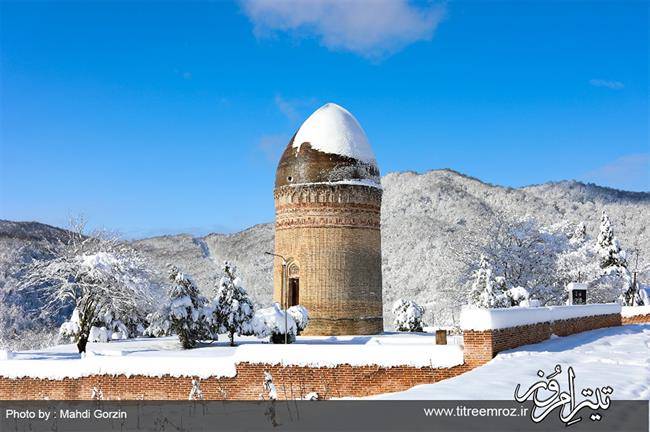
615,280
159,322
408,316
481,279
96,274
186,308
578,262
607,246
300,315
232,309
519,250
488,290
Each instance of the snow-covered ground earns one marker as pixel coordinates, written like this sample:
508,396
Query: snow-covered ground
618,357
156,357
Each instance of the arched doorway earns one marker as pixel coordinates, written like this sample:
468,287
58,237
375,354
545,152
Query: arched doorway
293,294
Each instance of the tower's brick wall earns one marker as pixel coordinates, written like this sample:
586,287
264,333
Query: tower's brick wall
331,235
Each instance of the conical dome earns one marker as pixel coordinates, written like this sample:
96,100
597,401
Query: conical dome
329,147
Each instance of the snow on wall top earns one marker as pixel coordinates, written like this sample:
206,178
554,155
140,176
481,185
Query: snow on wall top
490,319
162,356
631,311
332,129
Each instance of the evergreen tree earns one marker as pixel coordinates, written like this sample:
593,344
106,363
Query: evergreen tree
607,246
488,290
615,279
482,277
233,309
186,318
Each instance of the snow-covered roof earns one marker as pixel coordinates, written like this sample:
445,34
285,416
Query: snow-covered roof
332,129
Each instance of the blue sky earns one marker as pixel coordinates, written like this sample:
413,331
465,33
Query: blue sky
157,118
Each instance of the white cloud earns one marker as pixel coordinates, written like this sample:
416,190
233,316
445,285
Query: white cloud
294,109
629,172
371,28
272,146
286,107
614,85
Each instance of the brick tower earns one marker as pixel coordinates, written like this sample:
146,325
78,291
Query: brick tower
327,203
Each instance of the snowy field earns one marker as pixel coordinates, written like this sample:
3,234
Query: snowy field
618,357
159,356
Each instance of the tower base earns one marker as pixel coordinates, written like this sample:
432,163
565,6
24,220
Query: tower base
343,326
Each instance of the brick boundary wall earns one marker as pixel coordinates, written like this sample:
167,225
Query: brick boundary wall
292,382
636,319
578,325
482,346
296,381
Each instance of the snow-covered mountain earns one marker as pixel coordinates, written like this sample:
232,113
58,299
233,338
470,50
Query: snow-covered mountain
422,215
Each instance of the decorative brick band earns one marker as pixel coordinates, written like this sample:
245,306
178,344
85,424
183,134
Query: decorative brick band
327,217
332,193
344,206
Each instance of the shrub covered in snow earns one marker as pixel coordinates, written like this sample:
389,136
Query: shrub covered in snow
408,316
70,328
517,295
98,334
231,309
270,322
300,315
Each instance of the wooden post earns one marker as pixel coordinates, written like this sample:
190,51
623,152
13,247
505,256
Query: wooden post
441,337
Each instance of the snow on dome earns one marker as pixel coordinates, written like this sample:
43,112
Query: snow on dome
332,129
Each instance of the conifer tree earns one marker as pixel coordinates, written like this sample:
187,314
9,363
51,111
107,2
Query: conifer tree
233,309
488,290
607,246
186,309
615,276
